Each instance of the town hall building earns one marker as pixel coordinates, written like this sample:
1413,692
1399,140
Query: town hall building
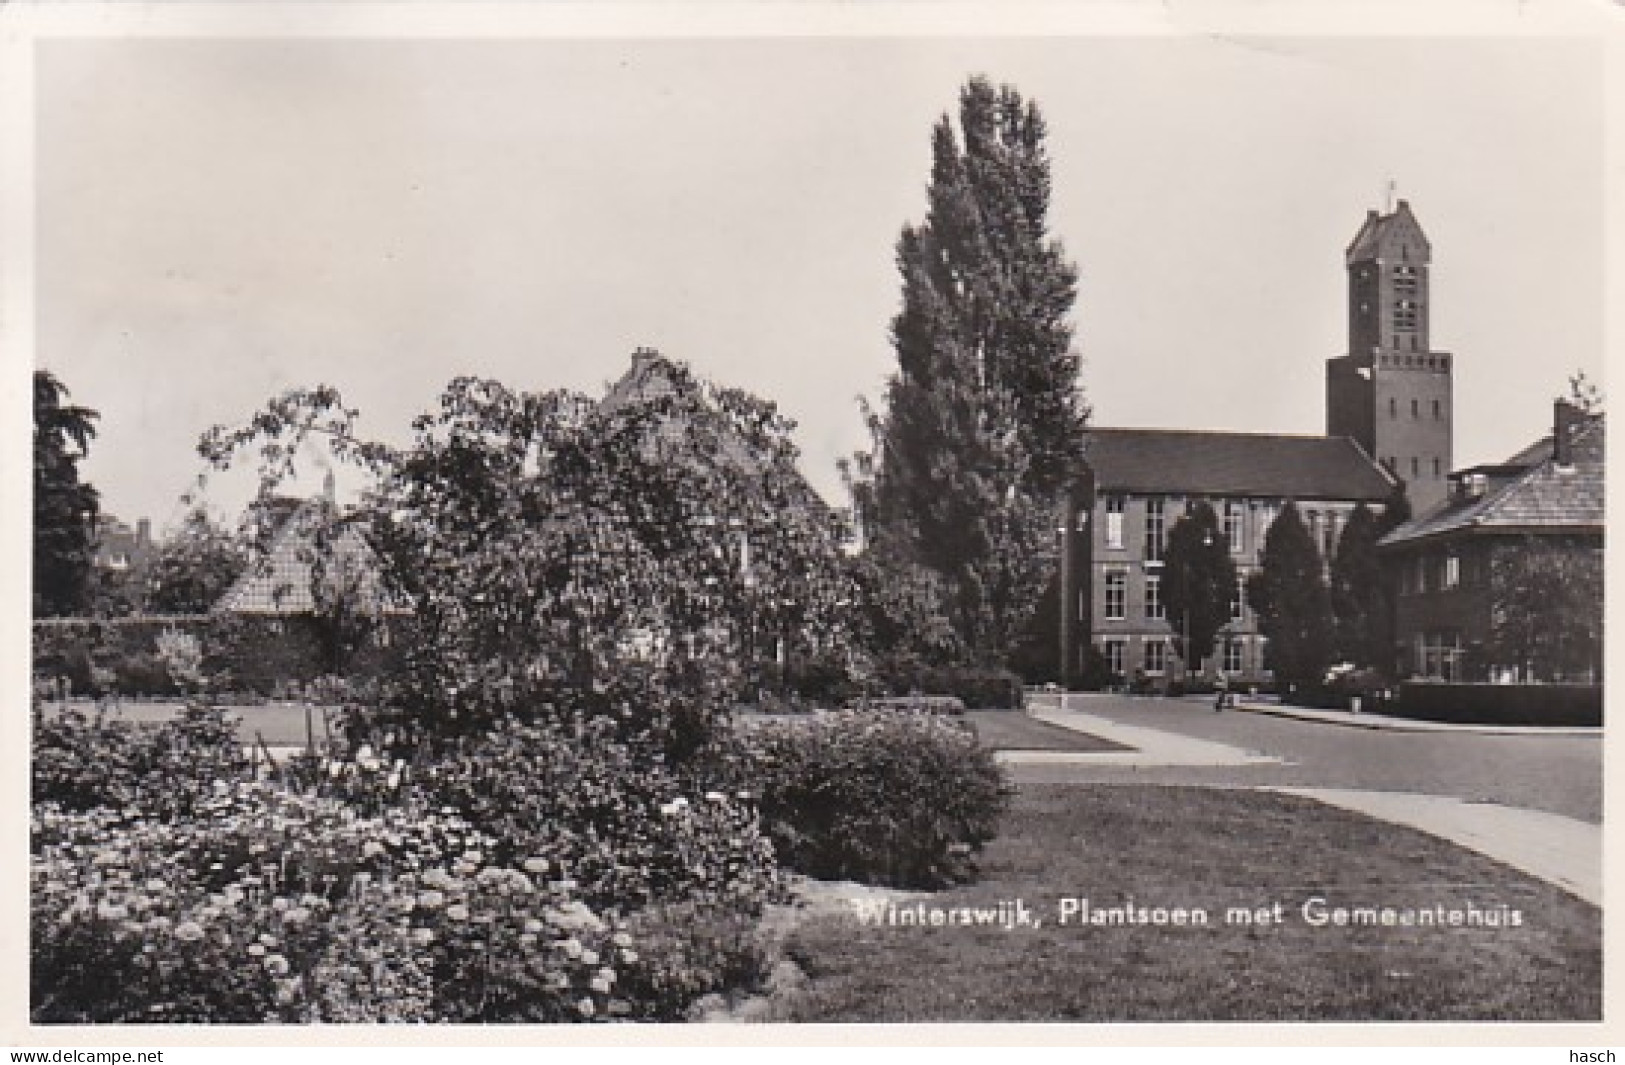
1388,425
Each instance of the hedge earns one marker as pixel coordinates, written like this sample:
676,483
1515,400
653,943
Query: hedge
1501,704
978,688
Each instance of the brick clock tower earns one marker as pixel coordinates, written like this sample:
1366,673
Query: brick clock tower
1392,393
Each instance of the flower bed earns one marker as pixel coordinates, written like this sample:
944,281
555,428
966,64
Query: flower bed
519,879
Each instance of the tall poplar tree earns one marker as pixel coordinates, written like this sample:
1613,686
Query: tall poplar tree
983,419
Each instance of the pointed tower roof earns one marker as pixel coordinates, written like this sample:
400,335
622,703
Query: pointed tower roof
1378,230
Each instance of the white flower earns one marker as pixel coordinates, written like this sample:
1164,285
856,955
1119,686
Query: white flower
716,796
538,866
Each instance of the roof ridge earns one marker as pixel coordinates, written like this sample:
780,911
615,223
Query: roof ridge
1216,432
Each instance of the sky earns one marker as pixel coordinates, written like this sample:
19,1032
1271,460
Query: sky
217,220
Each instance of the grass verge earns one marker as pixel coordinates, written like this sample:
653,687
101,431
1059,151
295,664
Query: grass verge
1209,849
1012,730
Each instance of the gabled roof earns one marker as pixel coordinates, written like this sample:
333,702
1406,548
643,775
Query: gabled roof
1546,497
281,583
653,377
1194,462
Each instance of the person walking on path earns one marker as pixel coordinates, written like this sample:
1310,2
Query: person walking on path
1222,689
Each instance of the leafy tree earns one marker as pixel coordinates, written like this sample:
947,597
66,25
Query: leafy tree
566,559
1290,596
65,507
1584,393
1546,609
1361,603
983,420
1396,511
195,566
1198,582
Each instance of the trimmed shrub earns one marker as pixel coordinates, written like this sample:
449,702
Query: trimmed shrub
977,687
1501,704
882,796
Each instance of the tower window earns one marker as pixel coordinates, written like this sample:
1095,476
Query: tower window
1393,407
1416,466
1437,409
1435,467
1415,409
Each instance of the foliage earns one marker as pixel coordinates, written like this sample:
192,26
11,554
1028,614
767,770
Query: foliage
569,557
1546,609
162,771
65,507
1396,510
1293,604
1585,394
983,425
168,886
1362,605
884,796
1198,582
182,657
614,820
281,907
195,566
975,687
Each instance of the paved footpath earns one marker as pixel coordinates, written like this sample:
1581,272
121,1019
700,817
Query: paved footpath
1462,785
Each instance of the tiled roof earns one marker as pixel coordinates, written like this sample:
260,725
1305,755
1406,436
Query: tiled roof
1193,462
280,584
1547,497
651,378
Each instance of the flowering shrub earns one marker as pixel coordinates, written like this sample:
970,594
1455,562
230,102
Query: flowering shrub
321,917
182,657
85,760
615,818
888,796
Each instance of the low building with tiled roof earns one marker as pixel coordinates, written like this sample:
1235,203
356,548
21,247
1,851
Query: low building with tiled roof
1139,482
1548,497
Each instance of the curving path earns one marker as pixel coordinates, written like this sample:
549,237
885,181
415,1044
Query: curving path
1530,800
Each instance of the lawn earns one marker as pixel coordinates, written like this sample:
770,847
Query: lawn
1012,730
281,724
1209,849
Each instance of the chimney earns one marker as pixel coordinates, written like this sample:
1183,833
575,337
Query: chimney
143,532
1566,421
329,489
643,357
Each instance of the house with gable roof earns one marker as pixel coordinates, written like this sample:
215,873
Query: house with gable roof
1543,506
